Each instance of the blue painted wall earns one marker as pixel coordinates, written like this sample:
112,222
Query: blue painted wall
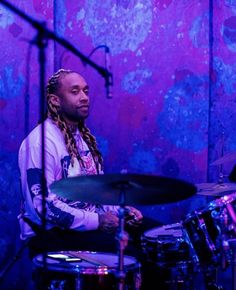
173,107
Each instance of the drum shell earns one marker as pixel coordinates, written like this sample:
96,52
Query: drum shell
170,257
203,234
166,245
209,228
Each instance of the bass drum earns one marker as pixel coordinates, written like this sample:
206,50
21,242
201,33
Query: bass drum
77,270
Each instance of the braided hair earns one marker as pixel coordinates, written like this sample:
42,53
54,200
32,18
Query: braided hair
53,112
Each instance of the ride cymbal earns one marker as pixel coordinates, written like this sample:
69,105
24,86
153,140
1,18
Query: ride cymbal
215,189
137,189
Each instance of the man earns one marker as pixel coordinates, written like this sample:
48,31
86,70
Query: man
49,222
70,150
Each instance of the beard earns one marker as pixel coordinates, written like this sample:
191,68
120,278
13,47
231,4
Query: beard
75,116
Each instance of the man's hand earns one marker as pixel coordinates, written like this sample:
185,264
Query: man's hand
133,216
108,222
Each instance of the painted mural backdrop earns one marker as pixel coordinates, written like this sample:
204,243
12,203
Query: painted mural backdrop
173,98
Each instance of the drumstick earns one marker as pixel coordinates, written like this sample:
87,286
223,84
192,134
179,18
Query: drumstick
84,256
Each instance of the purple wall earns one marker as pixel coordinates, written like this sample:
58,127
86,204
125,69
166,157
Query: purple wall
172,110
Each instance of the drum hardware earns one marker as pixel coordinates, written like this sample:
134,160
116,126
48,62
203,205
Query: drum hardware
219,188
122,238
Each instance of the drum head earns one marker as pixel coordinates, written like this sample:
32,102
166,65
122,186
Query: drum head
165,232
84,262
70,270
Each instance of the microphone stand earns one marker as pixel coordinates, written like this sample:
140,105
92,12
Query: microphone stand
43,35
48,34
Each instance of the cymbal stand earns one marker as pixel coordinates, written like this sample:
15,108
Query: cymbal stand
122,237
221,174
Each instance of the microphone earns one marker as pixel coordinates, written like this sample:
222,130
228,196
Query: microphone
109,76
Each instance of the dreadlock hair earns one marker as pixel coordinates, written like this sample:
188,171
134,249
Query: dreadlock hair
53,112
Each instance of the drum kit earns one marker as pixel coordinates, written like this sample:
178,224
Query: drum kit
198,243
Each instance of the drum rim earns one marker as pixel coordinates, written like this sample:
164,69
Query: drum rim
71,267
158,237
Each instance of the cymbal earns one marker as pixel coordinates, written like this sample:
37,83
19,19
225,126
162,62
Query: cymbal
137,189
229,157
216,189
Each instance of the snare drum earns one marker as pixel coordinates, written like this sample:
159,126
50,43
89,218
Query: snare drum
80,270
210,228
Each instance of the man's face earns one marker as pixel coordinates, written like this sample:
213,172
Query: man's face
73,97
